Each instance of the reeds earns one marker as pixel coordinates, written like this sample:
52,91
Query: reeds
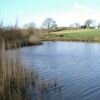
19,83
16,37
15,78
12,37
12,76
16,81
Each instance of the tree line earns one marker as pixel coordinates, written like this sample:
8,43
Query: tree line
50,25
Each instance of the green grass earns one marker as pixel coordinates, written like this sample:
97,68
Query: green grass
88,35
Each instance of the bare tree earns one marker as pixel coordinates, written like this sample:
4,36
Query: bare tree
77,25
89,22
30,27
49,24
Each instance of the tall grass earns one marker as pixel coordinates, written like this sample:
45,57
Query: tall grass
16,81
12,37
16,37
19,83
13,76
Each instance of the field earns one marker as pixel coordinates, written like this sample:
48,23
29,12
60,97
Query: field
87,35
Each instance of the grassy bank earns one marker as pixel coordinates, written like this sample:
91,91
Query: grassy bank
86,35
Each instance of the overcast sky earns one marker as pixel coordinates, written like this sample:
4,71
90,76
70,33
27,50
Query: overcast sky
64,12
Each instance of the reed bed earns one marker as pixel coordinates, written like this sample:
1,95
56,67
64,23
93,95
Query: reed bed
16,81
19,83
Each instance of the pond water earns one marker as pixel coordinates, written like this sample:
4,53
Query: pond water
75,65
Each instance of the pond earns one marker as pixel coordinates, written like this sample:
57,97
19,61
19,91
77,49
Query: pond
75,65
